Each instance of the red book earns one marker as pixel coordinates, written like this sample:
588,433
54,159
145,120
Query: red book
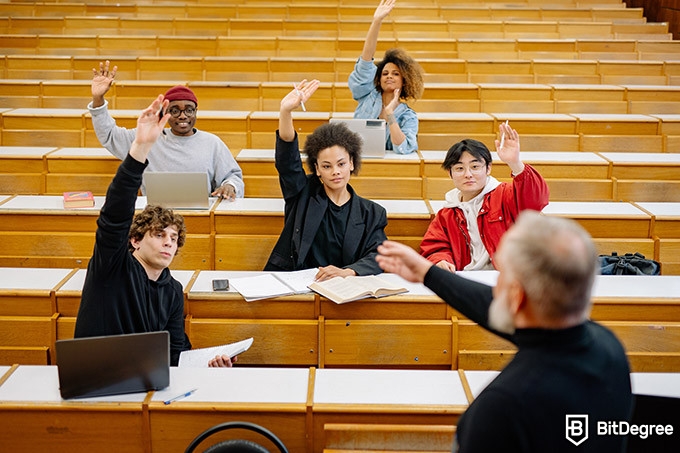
78,199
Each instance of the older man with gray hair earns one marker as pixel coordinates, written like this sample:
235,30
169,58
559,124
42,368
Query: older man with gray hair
565,364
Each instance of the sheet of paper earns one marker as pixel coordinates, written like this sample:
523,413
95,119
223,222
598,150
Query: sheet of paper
199,358
298,280
259,287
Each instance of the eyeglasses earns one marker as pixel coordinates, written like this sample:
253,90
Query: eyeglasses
176,111
475,168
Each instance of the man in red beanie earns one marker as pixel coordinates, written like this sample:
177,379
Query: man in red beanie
183,148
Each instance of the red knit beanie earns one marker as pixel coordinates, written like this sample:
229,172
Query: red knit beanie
181,93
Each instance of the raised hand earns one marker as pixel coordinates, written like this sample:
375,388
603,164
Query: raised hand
102,79
149,128
299,94
383,9
508,148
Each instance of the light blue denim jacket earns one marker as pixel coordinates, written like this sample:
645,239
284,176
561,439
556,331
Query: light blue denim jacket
370,105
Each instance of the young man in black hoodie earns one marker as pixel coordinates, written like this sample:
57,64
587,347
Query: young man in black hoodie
128,287
565,364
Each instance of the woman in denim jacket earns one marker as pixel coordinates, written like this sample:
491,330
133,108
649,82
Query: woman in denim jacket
380,88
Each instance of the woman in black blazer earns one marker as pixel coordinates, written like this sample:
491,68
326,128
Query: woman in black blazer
326,224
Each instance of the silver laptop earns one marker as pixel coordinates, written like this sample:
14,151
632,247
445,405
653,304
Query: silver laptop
372,133
114,364
178,190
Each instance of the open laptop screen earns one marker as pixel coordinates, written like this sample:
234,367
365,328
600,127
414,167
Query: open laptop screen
177,190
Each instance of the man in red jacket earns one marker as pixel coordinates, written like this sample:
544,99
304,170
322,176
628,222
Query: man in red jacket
465,233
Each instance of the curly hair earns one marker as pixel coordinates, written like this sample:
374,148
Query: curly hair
153,219
411,73
332,134
474,147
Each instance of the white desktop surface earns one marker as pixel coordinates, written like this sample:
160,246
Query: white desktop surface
656,384
478,380
661,209
4,369
252,205
391,387
82,152
593,208
4,197
407,207
633,158
563,157
237,385
47,203
40,384
25,278
203,282
141,203
25,151
637,286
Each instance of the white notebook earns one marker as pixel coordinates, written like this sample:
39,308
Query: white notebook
199,358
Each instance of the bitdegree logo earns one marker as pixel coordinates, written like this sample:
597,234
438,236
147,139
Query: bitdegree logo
623,428
576,430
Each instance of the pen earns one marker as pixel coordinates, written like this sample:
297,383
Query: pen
503,135
302,104
179,397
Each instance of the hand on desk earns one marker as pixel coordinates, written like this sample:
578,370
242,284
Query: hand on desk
329,272
222,361
226,191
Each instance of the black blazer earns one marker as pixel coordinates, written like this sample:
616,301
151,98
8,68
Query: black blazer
306,204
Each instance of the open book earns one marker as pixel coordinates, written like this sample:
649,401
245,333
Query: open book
347,289
199,358
274,284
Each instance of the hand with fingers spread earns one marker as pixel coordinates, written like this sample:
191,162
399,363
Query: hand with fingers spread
102,79
149,128
383,9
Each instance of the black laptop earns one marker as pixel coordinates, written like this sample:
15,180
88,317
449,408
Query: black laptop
112,365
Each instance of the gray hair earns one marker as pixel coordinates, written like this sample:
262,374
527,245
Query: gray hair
555,261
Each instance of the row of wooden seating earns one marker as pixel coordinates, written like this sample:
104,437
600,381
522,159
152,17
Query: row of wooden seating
266,68
274,27
336,96
656,47
583,11
428,333
39,232
437,131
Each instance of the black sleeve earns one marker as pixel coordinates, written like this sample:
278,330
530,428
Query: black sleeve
115,218
366,264
288,162
469,297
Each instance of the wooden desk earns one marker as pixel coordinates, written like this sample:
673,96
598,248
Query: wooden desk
41,420
644,165
80,169
28,315
636,298
422,397
27,218
410,330
666,228
23,169
277,398
43,127
605,219
285,329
